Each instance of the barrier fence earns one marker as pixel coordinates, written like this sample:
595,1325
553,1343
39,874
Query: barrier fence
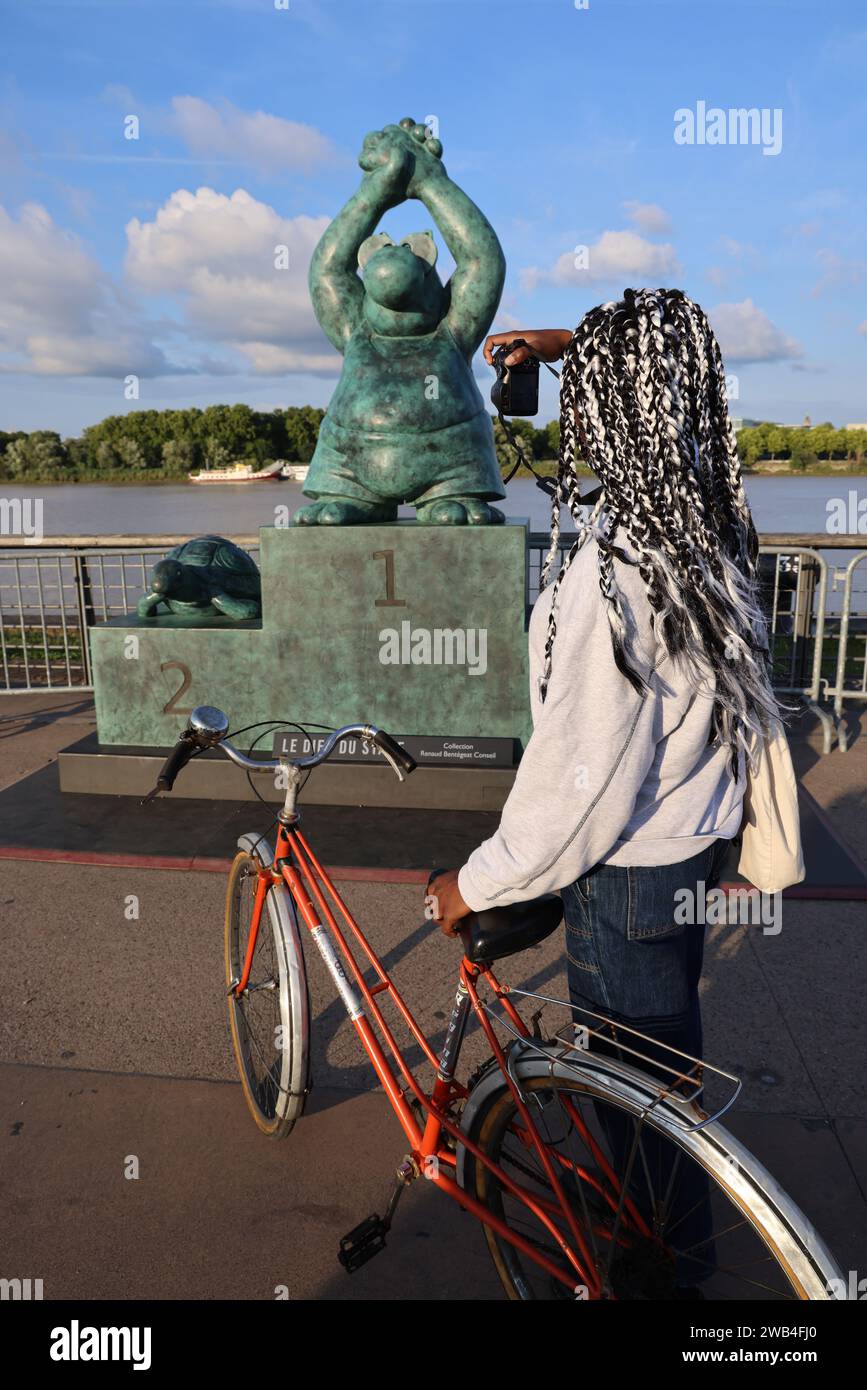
814,590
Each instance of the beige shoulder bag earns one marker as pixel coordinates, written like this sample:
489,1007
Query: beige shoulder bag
771,855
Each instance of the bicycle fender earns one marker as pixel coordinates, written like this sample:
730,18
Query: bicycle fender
258,847
279,904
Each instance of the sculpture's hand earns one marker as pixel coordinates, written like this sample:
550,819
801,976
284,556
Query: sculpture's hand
387,158
404,156
427,152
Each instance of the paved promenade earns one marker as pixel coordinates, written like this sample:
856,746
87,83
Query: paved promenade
113,1042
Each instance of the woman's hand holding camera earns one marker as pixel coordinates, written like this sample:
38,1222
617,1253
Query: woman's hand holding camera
548,344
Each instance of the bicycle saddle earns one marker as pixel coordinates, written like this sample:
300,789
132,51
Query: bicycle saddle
504,931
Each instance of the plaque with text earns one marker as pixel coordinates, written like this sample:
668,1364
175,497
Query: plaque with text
436,751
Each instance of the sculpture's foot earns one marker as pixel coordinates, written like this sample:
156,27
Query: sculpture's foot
344,511
459,511
236,608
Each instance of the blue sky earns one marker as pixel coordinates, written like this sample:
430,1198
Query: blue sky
154,257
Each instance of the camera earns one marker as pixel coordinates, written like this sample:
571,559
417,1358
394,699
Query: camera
516,389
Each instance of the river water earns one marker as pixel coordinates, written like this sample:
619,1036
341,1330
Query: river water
780,504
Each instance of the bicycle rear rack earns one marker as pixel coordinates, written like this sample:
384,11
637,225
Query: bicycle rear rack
686,1074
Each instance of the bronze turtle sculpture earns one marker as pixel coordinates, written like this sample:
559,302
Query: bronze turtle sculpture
206,573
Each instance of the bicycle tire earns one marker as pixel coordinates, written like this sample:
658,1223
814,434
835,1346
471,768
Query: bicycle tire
275,1093
790,1238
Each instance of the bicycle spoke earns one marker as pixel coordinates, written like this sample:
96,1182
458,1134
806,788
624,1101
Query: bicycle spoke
686,1215
718,1269
718,1235
624,1188
590,1223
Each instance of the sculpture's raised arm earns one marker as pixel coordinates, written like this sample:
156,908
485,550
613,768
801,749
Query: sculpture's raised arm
335,288
475,287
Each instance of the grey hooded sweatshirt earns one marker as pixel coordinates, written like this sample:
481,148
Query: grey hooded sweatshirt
608,776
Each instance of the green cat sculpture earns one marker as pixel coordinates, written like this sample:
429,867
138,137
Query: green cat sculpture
407,422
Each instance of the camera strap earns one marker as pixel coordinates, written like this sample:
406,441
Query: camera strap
547,485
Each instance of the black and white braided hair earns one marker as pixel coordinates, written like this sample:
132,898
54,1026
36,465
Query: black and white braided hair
643,400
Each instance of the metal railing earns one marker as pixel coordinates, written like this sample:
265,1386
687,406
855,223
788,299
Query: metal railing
850,675
52,592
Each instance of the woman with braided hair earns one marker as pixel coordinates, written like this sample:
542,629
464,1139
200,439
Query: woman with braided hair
649,675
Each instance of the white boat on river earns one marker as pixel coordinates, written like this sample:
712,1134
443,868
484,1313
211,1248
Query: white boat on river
295,472
241,473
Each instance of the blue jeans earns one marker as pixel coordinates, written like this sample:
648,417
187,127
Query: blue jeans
628,958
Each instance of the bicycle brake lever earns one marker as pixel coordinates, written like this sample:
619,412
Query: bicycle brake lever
395,768
388,758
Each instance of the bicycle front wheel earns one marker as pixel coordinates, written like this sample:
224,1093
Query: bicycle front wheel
270,1022
664,1213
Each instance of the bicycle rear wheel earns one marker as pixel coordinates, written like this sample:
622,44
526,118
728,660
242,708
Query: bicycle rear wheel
270,1022
762,1246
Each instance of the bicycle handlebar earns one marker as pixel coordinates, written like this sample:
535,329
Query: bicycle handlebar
207,728
180,755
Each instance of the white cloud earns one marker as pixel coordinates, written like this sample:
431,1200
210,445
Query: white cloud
649,217
208,260
839,272
616,256
726,276
270,143
118,94
746,334
721,276
60,314
216,255
739,250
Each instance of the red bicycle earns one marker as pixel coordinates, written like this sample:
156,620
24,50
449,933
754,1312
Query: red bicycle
555,1143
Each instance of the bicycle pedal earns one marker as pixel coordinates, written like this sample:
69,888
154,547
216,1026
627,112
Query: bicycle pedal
362,1243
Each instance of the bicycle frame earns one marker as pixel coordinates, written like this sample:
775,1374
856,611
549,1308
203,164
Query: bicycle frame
296,865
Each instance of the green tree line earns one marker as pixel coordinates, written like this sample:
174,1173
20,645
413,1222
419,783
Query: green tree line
155,444
169,444
802,446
